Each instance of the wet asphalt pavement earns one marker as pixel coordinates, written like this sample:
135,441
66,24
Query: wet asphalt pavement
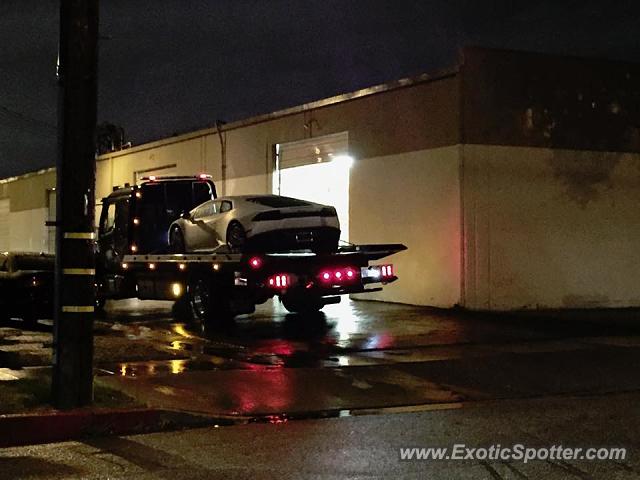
395,376
353,333
352,356
366,355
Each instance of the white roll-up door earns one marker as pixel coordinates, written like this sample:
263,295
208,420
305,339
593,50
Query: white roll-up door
316,169
4,224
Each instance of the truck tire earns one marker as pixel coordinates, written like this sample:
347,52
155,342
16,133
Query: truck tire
100,302
30,317
302,303
208,308
182,310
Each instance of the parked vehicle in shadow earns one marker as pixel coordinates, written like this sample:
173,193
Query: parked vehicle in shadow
26,286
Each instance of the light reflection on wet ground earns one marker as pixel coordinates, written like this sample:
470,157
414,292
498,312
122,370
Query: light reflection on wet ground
353,333
356,355
271,338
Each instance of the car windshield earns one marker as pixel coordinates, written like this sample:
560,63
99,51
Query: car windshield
33,262
278,202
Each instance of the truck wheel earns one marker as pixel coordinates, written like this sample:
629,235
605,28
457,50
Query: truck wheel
176,241
100,303
30,318
302,304
208,309
236,237
182,310
199,297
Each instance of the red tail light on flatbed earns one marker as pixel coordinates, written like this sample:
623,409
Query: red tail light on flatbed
279,281
338,276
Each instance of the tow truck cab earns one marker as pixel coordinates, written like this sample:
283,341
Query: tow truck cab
135,220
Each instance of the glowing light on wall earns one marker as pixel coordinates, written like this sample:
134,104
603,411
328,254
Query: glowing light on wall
326,183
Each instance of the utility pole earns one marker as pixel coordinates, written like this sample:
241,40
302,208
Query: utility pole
75,207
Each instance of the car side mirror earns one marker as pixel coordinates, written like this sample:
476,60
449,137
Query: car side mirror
186,216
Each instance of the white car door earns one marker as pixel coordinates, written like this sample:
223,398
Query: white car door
210,226
198,235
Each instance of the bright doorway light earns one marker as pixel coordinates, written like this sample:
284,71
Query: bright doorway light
345,160
326,183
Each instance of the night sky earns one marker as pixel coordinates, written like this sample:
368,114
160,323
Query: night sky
171,66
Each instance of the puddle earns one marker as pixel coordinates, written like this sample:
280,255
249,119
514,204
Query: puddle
286,417
182,346
272,359
341,413
168,367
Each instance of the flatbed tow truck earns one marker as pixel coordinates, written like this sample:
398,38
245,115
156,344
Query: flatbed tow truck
134,262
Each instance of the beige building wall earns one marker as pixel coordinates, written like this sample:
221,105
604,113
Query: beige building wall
404,183
550,228
250,157
28,197
412,198
30,191
27,230
409,118
187,156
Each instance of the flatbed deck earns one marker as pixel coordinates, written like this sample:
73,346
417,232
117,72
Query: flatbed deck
222,255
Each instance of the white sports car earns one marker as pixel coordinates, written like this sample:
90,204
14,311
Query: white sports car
256,223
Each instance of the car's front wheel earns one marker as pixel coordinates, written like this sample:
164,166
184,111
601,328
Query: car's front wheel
236,237
176,241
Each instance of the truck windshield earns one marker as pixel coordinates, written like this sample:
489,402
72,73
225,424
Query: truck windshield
179,198
161,203
202,192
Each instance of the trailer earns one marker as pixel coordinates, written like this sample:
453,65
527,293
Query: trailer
133,260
